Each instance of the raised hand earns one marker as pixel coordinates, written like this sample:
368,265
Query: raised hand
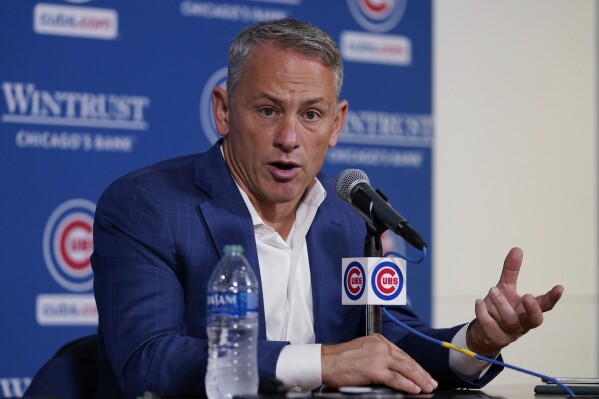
504,316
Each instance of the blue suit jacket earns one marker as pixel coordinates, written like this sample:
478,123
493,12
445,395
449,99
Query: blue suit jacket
158,234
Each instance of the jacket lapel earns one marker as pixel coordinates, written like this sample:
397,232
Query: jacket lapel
325,271
227,218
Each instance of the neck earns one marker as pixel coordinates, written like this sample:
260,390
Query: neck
278,216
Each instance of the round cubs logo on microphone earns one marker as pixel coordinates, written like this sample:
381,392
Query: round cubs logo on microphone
387,281
353,281
68,244
377,15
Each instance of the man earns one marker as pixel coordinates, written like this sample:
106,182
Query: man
159,232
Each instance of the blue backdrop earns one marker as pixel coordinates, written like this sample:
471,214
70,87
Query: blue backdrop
92,89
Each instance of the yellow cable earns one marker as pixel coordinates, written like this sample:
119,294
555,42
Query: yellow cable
459,349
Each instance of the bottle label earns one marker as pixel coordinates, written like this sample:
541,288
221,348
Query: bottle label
231,304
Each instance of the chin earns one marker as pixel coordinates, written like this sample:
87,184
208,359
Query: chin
279,196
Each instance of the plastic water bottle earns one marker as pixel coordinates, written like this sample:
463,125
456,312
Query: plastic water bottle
232,327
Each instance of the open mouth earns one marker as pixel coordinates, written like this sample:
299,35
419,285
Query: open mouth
284,166
284,171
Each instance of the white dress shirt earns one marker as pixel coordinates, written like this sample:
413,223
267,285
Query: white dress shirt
287,293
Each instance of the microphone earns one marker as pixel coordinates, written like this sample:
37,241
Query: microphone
352,186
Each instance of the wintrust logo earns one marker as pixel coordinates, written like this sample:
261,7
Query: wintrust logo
57,112
66,20
14,387
25,103
388,128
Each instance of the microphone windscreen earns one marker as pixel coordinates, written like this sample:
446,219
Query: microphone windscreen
346,180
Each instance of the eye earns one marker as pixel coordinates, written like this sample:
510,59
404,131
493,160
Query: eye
267,111
312,115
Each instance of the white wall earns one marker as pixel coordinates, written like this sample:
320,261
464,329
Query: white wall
515,103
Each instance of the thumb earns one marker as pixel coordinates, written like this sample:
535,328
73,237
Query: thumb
511,268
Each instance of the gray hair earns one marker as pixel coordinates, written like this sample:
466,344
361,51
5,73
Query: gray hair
286,34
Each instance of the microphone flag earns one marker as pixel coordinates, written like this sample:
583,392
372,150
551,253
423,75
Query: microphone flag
374,281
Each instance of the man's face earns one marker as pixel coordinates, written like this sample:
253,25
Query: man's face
280,125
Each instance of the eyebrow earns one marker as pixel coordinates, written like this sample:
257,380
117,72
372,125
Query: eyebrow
279,102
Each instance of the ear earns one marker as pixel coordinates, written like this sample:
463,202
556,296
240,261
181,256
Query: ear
339,122
220,109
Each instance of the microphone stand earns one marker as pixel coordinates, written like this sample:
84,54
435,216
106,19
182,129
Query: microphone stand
373,248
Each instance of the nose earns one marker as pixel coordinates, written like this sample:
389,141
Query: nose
287,136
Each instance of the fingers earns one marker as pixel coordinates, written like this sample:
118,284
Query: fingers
516,320
373,359
548,301
403,367
485,336
533,316
503,316
404,374
506,315
511,268
504,322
